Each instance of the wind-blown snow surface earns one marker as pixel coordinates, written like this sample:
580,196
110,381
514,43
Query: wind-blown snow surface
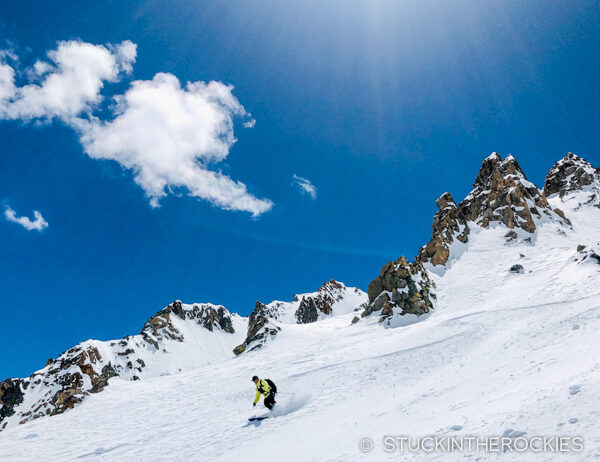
503,351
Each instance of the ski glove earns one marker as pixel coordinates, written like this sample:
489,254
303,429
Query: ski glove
253,404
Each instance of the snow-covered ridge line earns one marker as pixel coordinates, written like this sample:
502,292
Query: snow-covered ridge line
332,299
573,180
501,196
178,337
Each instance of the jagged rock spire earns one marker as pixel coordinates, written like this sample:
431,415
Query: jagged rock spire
502,193
449,224
571,173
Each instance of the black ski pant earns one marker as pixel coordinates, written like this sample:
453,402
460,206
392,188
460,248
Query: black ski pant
269,401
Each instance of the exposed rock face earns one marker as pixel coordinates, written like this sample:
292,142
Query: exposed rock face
569,174
502,193
67,380
59,386
308,311
11,395
321,302
259,327
594,256
160,326
401,288
517,269
511,236
333,297
449,224
585,255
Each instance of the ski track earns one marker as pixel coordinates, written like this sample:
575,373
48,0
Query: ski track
503,352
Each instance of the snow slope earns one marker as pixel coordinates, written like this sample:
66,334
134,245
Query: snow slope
504,353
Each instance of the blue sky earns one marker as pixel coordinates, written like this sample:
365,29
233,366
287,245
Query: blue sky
381,105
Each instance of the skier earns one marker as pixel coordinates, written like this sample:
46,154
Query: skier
268,389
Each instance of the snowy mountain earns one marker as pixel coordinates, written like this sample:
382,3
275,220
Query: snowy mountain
490,331
574,180
178,338
501,194
332,299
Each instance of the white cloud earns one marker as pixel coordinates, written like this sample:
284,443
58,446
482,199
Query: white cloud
250,123
38,223
73,77
7,85
40,68
305,186
167,135
7,76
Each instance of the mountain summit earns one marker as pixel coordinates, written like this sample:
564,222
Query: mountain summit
332,299
501,195
572,173
177,338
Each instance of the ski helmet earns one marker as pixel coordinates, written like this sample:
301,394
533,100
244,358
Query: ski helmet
254,378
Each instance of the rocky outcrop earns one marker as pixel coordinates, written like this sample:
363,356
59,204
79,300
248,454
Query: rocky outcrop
333,297
573,183
11,395
260,328
517,269
59,386
587,255
502,193
88,367
401,288
308,311
160,326
449,225
571,173
314,306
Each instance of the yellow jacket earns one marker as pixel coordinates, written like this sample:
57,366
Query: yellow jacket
262,387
